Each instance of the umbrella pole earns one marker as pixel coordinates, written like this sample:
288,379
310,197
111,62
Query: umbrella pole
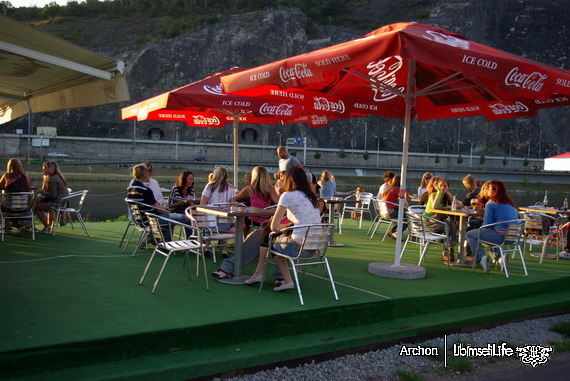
236,156
404,170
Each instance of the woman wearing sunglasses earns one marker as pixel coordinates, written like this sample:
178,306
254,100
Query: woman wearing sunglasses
499,208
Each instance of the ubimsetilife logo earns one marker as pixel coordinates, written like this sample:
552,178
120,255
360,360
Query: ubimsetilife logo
531,355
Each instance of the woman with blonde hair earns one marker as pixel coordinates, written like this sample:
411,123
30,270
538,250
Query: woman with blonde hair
54,188
218,191
328,185
261,193
426,177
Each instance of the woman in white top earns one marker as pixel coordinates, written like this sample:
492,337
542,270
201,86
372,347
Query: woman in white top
423,184
218,190
300,204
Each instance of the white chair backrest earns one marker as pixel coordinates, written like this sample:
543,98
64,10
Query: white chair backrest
514,231
154,224
18,201
203,220
365,199
384,208
417,209
317,237
415,224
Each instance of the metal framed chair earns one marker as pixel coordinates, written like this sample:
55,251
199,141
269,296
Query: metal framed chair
190,244
17,205
540,229
139,223
363,206
383,217
510,243
311,252
69,205
208,225
418,234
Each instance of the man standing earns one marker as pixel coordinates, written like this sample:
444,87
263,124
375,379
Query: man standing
286,161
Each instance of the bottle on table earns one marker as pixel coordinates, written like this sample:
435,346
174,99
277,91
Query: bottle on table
454,204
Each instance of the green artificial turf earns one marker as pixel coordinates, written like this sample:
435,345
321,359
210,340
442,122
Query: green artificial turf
74,302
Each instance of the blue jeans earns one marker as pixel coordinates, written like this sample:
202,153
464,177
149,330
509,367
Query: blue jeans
489,235
249,253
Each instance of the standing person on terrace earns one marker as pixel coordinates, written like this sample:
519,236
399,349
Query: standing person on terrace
388,176
499,208
54,188
426,177
300,204
183,187
286,161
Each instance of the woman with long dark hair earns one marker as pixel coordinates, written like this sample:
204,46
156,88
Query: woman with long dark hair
183,187
54,188
499,208
300,204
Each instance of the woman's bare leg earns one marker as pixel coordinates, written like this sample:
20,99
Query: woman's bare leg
283,267
261,263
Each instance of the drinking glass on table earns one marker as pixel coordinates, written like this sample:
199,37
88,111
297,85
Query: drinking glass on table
474,203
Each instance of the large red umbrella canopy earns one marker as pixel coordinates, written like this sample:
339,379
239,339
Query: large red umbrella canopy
409,70
203,104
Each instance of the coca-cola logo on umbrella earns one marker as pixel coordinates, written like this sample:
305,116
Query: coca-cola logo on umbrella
319,120
446,39
385,71
530,81
216,90
500,108
323,104
296,72
205,121
279,110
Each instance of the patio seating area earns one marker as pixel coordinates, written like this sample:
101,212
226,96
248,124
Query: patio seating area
73,307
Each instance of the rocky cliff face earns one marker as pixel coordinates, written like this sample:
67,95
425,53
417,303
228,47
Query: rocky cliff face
533,28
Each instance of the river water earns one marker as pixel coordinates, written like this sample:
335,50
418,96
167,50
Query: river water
105,200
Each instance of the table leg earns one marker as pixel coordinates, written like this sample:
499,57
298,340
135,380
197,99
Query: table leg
461,240
237,278
331,221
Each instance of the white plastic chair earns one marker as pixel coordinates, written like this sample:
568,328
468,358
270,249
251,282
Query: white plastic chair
363,206
208,225
383,216
418,234
511,238
17,205
311,252
167,248
69,205
536,233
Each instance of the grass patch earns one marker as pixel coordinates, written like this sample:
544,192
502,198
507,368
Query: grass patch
406,375
563,329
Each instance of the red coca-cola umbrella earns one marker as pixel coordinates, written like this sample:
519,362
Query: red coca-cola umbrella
202,104
407,71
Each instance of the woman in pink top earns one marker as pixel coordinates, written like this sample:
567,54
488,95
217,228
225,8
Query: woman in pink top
261,193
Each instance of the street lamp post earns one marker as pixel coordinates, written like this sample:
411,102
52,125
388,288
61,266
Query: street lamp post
377,151
471,157
279,133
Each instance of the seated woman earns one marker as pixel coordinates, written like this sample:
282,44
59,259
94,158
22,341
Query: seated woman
426,177
183,187
499,208
218,190
430,188
15,180
440,198
54,188
299,203
392,195
328,185
261,194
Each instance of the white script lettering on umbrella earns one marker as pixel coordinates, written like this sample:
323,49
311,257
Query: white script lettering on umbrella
280,110
446,39
323,104
533,81
499,108
296,72
385,71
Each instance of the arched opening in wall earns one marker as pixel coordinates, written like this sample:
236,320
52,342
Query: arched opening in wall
155,134
249,136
